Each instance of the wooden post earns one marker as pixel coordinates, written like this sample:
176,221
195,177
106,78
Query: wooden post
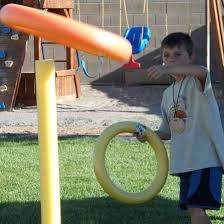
217,35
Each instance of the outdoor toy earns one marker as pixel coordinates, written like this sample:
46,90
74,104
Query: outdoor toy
73,34
2,54
81,63
2,105
88,38
103,176
6,30
138,36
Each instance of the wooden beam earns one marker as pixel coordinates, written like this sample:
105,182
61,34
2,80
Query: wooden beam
66,12
70,72
208,36
71,62
60,4
37,48
217,35
221,30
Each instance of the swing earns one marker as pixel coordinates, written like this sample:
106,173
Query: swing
138,36
80,62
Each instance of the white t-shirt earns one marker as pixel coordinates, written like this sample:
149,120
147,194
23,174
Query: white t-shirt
201,143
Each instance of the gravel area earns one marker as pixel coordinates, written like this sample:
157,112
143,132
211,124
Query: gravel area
96,109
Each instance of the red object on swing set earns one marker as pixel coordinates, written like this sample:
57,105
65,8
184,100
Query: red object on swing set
138,36
132,64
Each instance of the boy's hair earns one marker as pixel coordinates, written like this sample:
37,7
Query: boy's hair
178,39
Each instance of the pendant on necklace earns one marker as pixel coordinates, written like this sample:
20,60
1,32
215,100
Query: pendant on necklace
180,114
177,125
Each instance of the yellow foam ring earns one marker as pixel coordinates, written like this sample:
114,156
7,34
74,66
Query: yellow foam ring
103,176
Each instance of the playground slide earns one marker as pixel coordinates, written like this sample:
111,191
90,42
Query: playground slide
12,54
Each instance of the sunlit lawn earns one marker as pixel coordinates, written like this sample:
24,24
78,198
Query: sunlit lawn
131,165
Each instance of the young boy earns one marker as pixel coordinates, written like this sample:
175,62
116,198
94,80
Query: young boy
191,119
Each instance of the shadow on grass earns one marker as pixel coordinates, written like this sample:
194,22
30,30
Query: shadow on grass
33,138
98,210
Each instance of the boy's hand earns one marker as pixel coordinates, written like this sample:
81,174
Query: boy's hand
155,72
140,137
140,133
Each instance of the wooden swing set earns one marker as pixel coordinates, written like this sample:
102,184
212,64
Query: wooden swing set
17,86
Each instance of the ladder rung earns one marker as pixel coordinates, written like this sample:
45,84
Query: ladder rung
60,61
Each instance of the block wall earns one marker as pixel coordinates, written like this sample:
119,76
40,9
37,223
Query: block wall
165,16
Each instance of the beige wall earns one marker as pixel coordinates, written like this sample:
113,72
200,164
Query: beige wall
182,15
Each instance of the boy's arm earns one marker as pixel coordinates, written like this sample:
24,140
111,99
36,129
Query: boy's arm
200,72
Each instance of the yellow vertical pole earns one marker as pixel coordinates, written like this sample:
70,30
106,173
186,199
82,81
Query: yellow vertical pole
48,142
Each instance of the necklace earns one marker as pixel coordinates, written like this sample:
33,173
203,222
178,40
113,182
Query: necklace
177,124
175,104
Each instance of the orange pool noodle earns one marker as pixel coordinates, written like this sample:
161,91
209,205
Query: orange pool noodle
66,31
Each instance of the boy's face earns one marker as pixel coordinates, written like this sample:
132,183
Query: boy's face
177,55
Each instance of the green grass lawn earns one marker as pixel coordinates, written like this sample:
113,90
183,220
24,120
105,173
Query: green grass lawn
130,163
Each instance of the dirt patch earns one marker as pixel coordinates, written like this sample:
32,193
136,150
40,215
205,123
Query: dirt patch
96,109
